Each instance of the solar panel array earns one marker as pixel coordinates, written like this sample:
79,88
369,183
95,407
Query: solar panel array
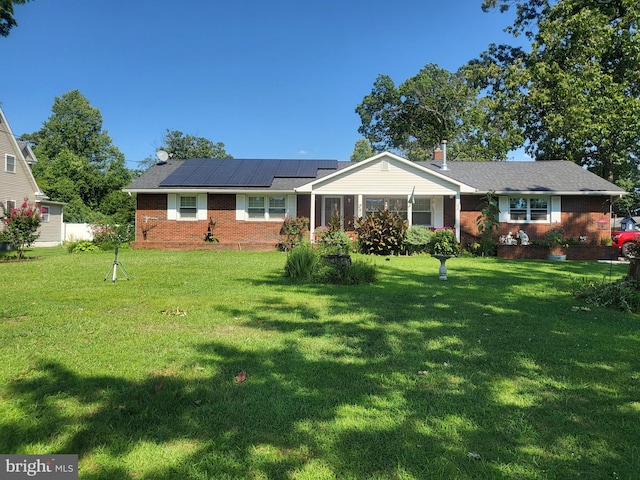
207,172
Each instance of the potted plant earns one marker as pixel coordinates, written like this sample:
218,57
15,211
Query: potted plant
443,245
554,241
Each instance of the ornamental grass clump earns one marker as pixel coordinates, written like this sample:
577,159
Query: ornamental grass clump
301,261
20,226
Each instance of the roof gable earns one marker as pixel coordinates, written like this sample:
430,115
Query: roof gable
385,163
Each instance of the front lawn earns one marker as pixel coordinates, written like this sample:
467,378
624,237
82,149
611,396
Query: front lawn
495,373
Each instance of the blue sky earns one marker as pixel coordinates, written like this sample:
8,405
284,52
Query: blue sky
268,78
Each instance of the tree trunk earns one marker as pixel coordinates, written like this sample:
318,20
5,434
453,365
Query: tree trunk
634,270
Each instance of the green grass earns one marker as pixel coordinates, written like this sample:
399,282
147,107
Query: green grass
403,379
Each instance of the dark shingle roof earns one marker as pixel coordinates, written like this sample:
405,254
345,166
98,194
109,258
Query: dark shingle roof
541,176
286,175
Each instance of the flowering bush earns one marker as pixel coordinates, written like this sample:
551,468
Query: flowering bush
107,235
20,226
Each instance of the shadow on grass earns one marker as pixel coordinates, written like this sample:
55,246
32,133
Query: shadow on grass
405,379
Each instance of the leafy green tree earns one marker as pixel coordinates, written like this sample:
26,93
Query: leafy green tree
432,106
182,146
7,22
576,93
362,150
77,161
20,226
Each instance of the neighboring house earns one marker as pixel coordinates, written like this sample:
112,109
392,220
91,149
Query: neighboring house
247,200
17,184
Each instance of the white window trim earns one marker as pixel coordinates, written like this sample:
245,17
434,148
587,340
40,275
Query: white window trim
6,163
435,211
242,207
173,206
553,209
45,217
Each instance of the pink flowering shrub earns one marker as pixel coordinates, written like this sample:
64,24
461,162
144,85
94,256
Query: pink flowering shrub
20,226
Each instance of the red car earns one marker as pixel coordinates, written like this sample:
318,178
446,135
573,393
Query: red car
625,239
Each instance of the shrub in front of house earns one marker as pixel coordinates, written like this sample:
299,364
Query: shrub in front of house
620,295
304,262
301,262
358,272
292,231
333,242
108,235
381,233
416,240
443,242
80,246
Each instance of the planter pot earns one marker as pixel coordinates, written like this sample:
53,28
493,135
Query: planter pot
557,257
443,268
337,259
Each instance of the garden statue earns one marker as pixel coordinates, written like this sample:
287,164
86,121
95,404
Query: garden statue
524,238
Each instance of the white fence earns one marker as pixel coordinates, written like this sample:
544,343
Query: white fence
76,231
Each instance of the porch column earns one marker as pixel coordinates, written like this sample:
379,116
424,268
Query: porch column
312,217
458,208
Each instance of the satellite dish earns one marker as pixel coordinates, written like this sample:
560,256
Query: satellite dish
162,156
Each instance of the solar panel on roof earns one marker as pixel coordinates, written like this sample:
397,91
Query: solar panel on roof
242,173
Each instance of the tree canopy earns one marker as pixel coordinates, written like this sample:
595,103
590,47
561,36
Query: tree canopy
361,150
432,106
576,93
182,146
78,163
7,20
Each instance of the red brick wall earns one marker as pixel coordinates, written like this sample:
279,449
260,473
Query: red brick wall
151,215
580,216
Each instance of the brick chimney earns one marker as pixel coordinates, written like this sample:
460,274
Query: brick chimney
437,154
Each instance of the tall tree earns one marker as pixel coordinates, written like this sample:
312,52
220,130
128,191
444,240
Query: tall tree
7,21
432,106
576,93
361,150
182,146
77,161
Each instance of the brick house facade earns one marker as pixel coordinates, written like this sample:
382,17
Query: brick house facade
534,197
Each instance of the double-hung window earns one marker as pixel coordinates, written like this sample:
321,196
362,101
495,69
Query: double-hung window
393,204
267,207
188,207
421,212
10,163
44,214
529,209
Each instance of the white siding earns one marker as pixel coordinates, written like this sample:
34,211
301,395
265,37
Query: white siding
385,177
